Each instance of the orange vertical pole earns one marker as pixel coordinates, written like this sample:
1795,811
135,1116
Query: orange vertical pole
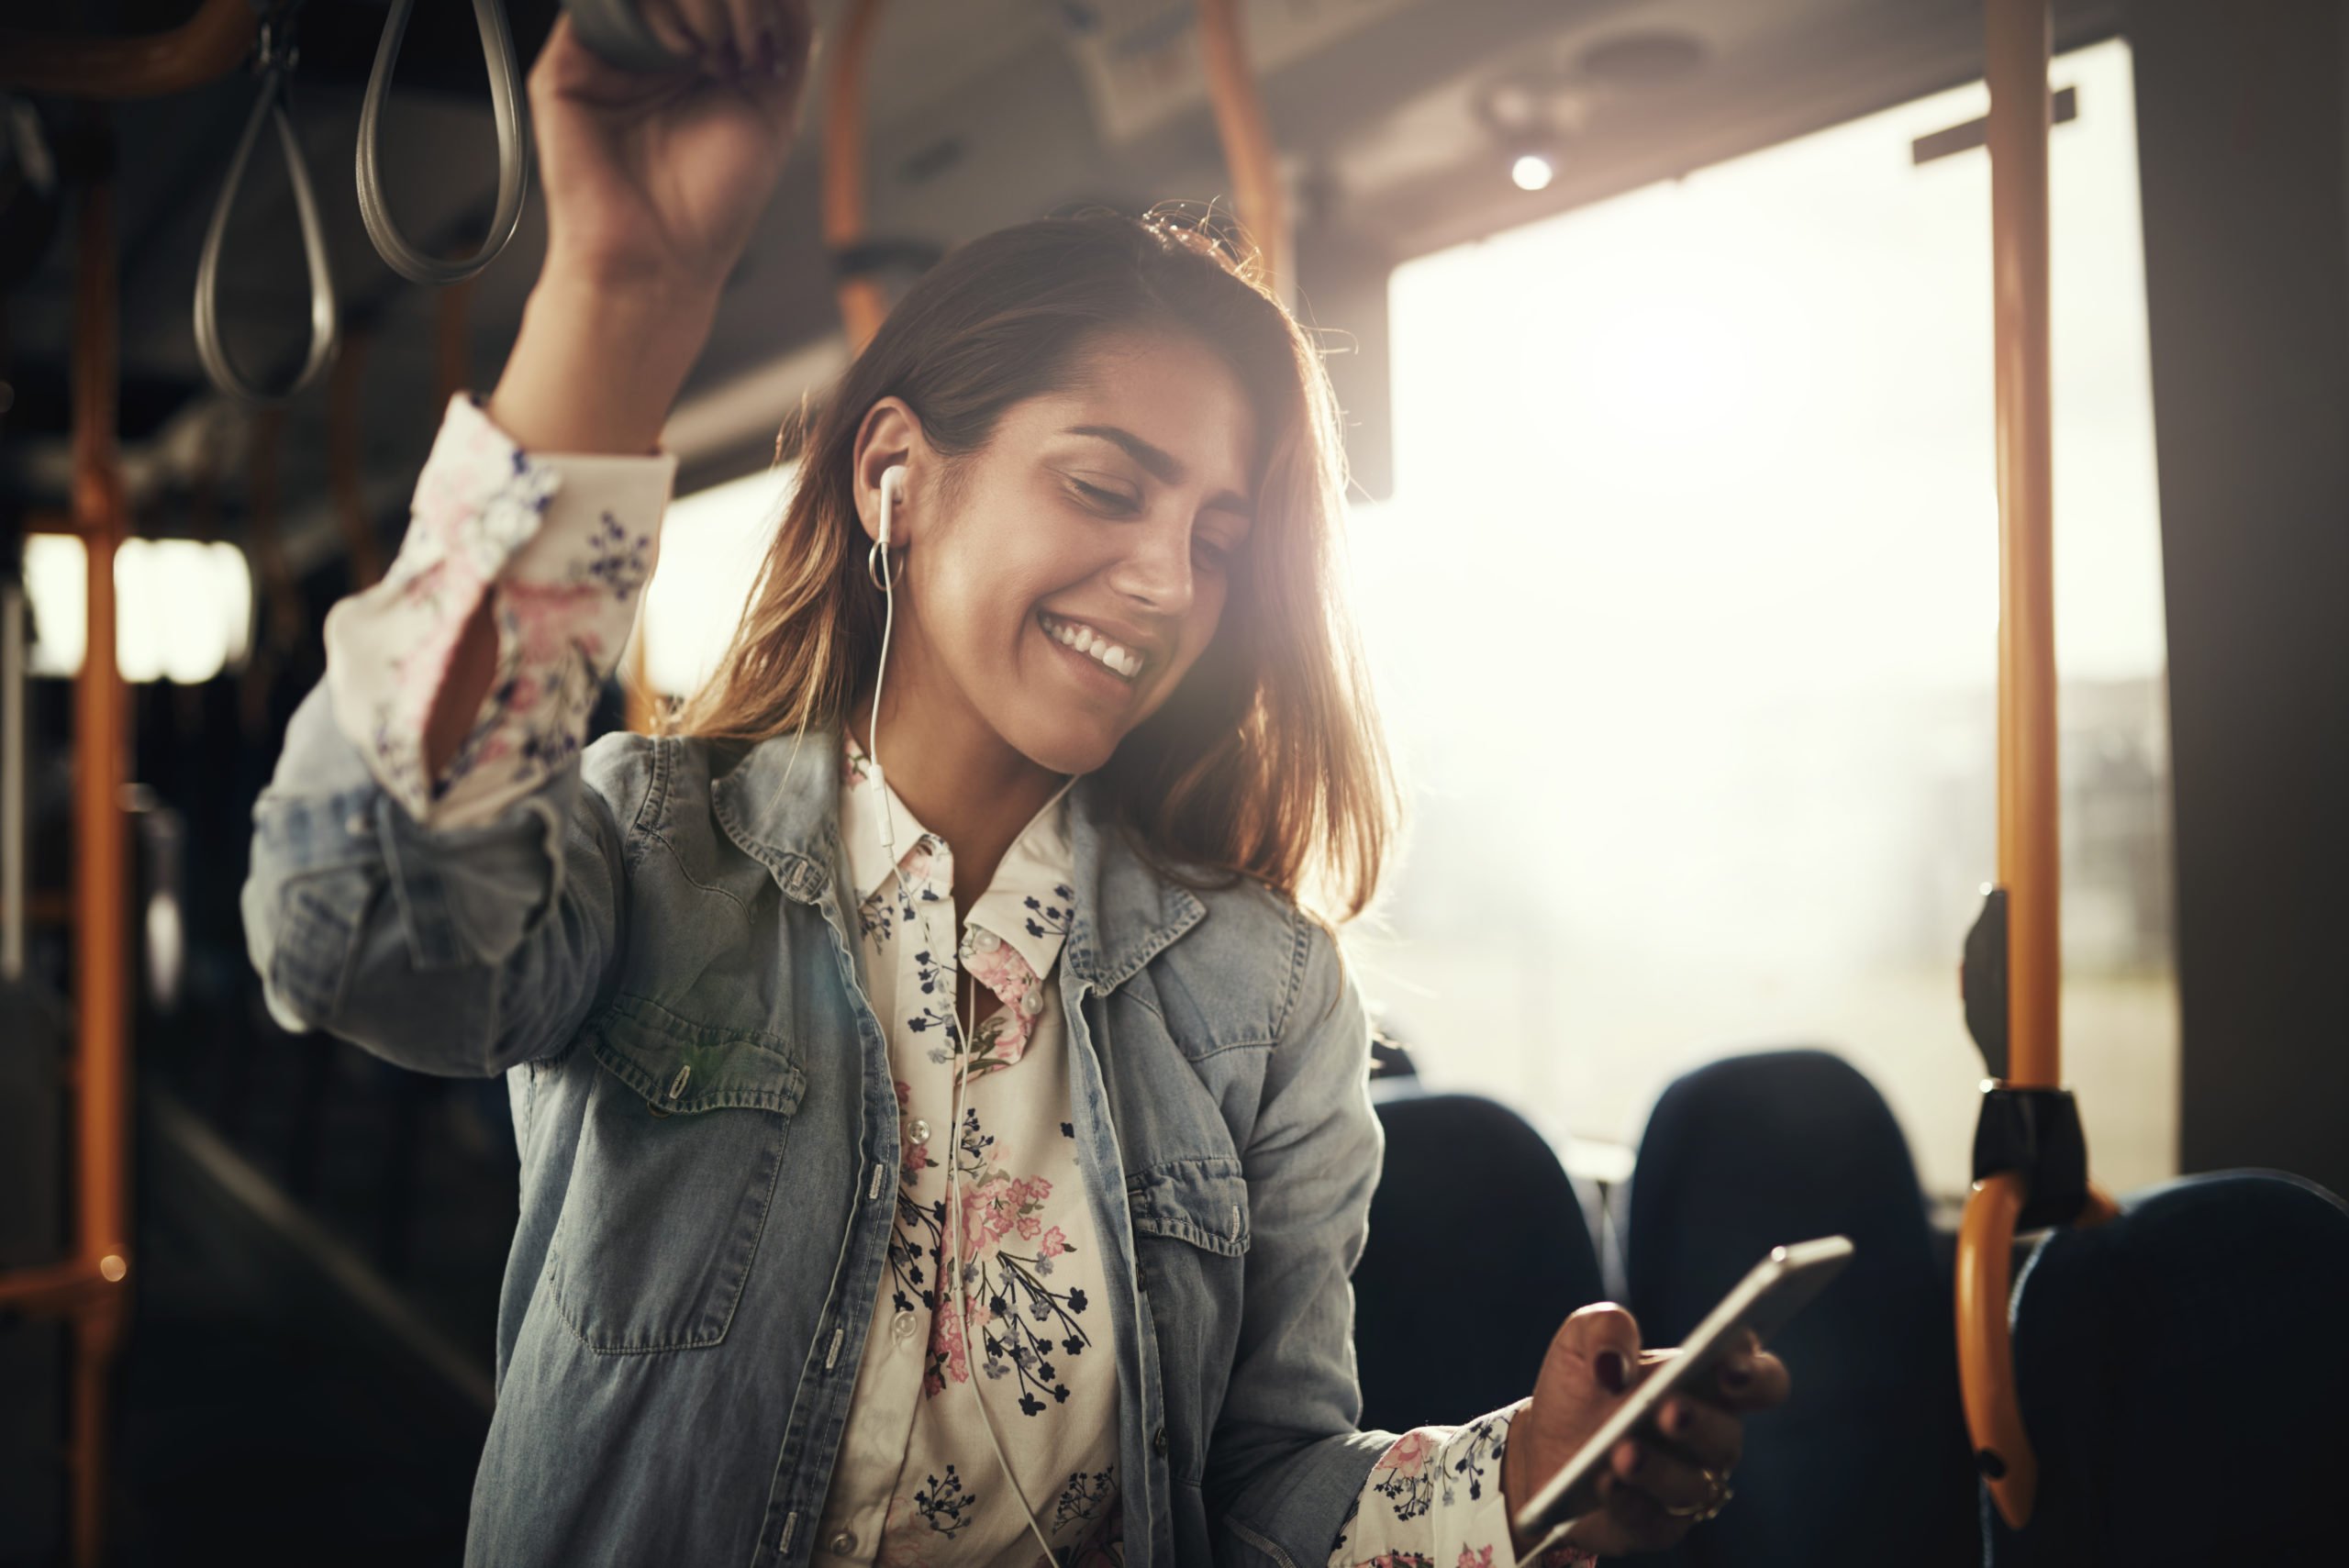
282,627
1247,138
88,1288
451,357
101,872
2020,40
344,455
863,303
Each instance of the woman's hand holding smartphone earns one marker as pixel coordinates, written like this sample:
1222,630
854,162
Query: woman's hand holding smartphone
1635,1447
1594,1364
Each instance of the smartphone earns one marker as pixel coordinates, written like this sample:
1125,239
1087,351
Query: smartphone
1778,1287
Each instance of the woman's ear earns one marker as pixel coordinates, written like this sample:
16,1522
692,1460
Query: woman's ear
889,436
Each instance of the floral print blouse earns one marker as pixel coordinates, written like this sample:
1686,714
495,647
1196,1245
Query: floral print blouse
562,545
1024,1332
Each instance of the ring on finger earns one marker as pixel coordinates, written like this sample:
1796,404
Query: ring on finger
1717,1482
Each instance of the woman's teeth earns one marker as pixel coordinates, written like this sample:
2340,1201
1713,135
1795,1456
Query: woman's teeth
1120,660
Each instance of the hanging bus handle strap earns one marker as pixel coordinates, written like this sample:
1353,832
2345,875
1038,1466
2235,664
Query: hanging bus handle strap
274,59
513,149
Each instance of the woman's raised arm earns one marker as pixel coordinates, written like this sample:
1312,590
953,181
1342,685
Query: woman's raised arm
652,185
429,877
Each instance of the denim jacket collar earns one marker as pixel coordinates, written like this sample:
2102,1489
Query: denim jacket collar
784,812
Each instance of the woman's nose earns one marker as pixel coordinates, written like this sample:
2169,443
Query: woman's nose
1155,569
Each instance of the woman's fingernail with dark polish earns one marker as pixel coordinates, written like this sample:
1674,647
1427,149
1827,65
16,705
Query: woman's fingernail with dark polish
1613,1372
1675,1417
1737,1373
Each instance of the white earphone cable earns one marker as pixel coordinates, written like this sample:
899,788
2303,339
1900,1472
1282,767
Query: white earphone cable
951,1268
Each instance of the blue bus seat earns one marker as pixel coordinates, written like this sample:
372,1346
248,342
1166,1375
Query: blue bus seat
1868,1465
2184,1376
1478,1251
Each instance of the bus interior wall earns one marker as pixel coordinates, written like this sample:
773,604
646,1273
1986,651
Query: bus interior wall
2241,116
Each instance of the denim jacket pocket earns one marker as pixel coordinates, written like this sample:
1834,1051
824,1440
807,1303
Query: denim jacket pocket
1190,1219
319,917
1203,1202
674,1179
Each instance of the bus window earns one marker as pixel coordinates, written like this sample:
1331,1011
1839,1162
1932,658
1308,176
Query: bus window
1705,472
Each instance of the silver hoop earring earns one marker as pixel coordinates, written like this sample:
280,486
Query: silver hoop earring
876,566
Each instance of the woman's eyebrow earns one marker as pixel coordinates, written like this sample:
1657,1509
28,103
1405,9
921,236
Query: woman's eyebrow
1160,463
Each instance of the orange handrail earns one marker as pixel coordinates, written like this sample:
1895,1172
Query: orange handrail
101,875
1247,139
1240,126
344,459
207,44
86,1289
862,301
2019,39
1986,1238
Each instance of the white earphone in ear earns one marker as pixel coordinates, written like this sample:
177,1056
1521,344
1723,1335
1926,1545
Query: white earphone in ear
893,493
876,560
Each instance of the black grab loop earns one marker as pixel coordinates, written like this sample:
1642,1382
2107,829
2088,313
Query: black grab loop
513,149
2032,1132
272,61
2035,1132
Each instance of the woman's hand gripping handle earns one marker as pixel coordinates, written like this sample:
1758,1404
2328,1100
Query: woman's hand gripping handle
652,185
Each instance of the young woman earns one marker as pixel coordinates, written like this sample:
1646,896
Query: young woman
943,1127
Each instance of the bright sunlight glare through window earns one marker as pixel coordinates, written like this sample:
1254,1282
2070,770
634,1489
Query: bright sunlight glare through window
711,546
1685,611
183,607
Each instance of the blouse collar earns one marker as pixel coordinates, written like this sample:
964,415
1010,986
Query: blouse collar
1030,904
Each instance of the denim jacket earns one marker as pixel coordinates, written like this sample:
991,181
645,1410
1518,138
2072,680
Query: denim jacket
653,949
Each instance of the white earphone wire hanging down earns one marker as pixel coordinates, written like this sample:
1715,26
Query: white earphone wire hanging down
893,483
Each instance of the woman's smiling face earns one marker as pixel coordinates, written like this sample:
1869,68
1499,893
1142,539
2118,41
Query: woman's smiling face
1061,580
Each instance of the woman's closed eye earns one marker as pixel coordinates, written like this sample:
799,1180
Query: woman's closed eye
1109,503
1103,500
1213,552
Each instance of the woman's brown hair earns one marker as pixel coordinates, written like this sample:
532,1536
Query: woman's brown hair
1267,761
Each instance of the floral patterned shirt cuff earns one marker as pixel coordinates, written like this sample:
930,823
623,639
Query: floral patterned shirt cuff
1433,1500
563,545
